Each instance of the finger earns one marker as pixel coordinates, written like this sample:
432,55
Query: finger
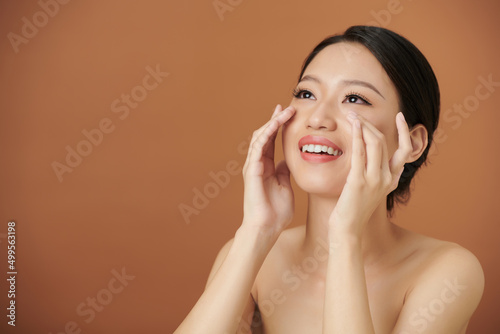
277,110
404,149
358,158
374,145
257,133
272,130
381,138
263,145
281,118
260,148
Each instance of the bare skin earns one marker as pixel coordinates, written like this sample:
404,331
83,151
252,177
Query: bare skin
290,286
349,269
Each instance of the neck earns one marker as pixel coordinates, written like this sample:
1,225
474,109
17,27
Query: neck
378,237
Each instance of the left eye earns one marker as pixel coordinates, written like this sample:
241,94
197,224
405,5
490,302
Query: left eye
355,99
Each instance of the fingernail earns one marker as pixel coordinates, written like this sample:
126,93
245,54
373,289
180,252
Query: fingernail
401,116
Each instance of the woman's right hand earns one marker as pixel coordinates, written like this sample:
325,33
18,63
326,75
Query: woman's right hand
268,196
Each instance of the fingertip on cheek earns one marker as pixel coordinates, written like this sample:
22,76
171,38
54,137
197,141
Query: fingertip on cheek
288,112
277,109
401,120
351,115
356,127
356,130
357,124
401,116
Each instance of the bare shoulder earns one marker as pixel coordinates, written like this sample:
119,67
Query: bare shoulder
447,257
446,287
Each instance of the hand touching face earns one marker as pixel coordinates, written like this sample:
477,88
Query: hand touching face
342,78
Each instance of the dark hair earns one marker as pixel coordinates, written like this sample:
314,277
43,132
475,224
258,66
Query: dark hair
411,74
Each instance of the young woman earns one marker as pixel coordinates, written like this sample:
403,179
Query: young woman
359,126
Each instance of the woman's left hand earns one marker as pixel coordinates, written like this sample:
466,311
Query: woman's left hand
372,175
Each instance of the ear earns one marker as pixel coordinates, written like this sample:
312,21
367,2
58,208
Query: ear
419,139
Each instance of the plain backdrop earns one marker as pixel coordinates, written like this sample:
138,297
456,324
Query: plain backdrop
66,73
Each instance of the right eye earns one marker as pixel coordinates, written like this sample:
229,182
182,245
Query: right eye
302,94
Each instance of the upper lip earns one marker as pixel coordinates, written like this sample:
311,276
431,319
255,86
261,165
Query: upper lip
317,140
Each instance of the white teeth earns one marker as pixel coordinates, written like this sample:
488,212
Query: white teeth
311,148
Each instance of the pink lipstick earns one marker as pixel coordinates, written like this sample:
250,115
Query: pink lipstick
318,149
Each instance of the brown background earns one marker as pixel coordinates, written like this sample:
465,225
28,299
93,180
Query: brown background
120,207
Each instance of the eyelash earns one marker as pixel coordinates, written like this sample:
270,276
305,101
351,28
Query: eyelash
359,96
297,91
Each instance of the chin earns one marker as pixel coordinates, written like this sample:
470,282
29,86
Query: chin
322,183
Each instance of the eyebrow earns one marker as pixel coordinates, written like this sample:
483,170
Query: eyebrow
346,83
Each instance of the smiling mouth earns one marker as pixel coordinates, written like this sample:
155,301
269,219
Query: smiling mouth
321,150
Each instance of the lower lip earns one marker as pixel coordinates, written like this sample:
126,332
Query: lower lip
318,158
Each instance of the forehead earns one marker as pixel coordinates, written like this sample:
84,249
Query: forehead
349,61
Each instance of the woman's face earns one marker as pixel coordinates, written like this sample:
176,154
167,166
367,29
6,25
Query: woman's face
343,77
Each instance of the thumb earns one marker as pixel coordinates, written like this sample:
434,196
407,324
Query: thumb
283,174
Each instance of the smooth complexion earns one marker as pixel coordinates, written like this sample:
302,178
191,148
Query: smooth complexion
372,276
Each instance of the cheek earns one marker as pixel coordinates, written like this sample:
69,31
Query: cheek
388,128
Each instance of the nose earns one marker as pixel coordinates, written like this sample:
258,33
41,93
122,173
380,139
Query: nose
322,117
